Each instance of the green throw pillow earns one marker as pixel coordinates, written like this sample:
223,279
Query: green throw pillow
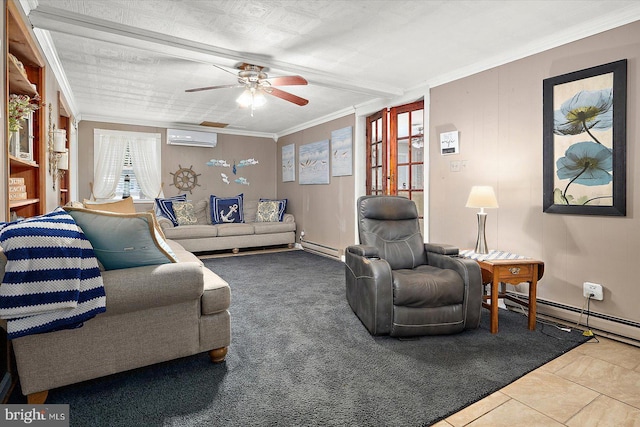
123,240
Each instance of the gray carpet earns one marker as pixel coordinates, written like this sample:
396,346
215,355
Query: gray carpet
300,357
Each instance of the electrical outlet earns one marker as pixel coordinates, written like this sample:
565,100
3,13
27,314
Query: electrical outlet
594,289
454,166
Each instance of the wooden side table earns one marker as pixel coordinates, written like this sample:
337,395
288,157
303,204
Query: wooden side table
496,270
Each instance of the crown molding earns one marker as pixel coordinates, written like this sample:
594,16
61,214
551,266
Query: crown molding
316,122
49,50
177,125
586,29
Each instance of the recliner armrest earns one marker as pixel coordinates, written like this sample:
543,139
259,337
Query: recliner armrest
364,251
471,275
442,249
369,288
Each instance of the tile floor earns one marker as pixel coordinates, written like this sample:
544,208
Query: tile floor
595,384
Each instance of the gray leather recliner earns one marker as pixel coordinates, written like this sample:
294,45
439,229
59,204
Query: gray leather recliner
400,286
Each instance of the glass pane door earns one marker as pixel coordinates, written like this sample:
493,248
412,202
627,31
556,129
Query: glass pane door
407,152
395,153
377,153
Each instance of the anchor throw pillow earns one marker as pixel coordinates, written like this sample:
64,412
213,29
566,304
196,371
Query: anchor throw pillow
225,210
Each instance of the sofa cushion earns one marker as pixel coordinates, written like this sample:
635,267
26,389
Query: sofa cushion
182,254
185,213
273,227
227,209
217,295
119,206
282,206
250,210
164,206
123,240
137,289
268,211
202,214
195,231
235,229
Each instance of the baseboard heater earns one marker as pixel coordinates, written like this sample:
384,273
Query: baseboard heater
604,322
320,249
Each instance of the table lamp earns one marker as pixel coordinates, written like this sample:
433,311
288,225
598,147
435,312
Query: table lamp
482,196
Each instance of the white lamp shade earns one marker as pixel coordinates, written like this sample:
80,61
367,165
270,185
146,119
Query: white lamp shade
59,140
482,196
63,162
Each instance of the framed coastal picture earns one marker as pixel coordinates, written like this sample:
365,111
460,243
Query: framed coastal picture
288,163
313,163
342,152
584,141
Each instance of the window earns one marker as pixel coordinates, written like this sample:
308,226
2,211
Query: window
129,175
126,157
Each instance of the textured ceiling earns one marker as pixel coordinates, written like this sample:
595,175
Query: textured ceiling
130,61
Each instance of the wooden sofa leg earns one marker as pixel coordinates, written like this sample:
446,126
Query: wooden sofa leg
217,355
291,245
37,398
235,250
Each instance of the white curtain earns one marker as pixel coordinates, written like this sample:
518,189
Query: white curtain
109,153
108,157
145,156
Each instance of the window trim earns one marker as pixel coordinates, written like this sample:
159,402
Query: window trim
98,133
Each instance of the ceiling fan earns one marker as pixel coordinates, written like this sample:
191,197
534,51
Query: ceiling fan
256,83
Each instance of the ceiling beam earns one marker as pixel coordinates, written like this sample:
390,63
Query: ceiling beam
62,21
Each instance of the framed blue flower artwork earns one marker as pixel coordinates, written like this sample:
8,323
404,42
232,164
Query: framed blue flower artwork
584,141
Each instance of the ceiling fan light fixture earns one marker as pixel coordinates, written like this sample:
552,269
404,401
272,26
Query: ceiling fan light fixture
251,98
245,98
259,99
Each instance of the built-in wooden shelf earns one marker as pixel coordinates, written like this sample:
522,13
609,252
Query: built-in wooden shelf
17,162
20,203
19,84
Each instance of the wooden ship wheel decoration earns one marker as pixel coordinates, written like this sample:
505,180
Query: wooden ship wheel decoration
185,179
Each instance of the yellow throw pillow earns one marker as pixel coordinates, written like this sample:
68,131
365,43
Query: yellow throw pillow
156,224
120,206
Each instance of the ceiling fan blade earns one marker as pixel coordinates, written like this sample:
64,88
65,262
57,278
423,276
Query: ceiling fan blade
288,96
233,73
287,81
212,87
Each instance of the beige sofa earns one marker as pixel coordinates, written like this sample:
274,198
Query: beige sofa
205,237
154,314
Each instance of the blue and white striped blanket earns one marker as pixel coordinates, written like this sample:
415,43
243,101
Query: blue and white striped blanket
52,280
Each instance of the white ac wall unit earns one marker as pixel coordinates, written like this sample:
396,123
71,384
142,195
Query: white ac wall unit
192,138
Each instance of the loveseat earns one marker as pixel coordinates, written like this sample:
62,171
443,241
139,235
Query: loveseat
154,313
203,236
